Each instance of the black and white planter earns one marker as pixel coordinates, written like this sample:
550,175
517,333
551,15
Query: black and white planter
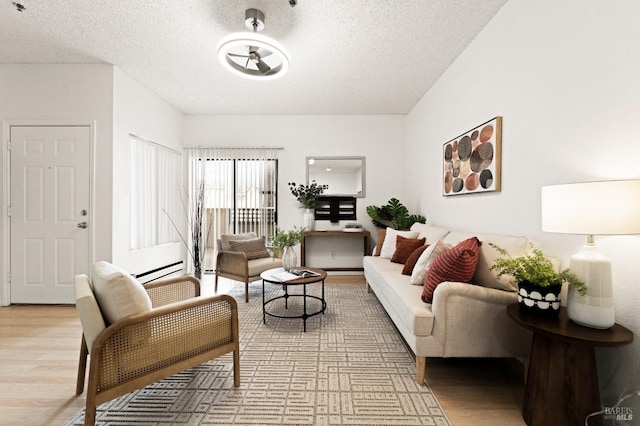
541,300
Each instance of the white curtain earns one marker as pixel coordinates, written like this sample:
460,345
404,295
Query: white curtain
240,192
155,184
169,195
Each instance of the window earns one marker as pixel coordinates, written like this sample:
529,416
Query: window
155,194
240,192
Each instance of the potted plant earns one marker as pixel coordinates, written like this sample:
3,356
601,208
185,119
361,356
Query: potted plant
393,215
284,241
539,284
307,196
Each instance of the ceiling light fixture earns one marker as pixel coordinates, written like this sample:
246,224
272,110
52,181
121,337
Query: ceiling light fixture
253,55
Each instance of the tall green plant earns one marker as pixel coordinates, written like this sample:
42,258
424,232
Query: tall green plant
393,215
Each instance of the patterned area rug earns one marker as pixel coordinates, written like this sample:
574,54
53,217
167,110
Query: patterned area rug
349,368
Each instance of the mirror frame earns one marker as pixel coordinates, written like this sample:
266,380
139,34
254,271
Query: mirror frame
364,179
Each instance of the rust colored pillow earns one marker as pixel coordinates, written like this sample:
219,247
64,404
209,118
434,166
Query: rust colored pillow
412,259
404,248
456,264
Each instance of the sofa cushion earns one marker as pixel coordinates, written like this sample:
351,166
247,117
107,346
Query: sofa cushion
225,238
389,244
457,264
412,259
394,287
515,246
404,248
380,233
118,293
254,248
431,233
425,261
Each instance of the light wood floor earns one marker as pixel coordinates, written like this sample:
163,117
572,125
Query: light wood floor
39,348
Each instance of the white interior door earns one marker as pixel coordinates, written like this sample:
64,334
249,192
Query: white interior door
50,169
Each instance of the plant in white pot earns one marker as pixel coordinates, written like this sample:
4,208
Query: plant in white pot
307,196
284,241
538,280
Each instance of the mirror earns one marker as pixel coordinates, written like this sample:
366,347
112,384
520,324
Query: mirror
344,175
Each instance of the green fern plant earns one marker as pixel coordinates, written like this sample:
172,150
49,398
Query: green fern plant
393,215
290,238
535,268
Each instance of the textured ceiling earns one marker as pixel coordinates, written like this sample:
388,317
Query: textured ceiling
347,56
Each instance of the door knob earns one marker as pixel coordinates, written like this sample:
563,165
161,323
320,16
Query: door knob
82,225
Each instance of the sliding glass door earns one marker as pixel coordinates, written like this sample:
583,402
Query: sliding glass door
239,193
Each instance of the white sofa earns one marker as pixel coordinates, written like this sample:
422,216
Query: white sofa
463,320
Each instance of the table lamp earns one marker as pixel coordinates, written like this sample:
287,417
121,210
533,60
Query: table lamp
602,208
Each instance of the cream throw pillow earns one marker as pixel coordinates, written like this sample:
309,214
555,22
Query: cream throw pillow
425,261
118,293
389,244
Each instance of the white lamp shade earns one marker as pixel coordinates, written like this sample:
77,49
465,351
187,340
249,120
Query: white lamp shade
592,208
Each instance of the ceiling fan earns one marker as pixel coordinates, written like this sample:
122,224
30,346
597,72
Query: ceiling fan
253,55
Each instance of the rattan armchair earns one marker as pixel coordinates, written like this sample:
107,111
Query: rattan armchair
181,330
236,266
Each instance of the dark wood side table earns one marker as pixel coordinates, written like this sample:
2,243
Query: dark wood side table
562,381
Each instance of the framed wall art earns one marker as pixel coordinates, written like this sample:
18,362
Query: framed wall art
471,162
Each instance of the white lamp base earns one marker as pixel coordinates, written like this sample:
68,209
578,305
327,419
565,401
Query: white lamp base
596,309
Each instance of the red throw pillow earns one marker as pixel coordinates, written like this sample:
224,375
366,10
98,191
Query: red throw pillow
456,264
412,259
404,248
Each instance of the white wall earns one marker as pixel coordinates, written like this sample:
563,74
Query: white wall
64,93
139,111
379,138
564,75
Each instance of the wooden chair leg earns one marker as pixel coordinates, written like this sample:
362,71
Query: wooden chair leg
92,391
90,415
236,367
421,365
82,366
246,291
215,288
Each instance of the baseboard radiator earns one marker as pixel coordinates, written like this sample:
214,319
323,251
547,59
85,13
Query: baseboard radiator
167,271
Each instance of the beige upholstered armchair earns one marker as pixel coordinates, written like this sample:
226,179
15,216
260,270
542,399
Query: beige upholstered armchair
137,335
243,257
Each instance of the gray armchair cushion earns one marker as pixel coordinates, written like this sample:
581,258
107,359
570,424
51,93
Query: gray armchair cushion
225,238
253,248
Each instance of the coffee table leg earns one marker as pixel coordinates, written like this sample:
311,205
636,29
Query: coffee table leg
264,309
304,308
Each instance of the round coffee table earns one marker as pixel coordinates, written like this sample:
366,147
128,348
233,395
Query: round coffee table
268,277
